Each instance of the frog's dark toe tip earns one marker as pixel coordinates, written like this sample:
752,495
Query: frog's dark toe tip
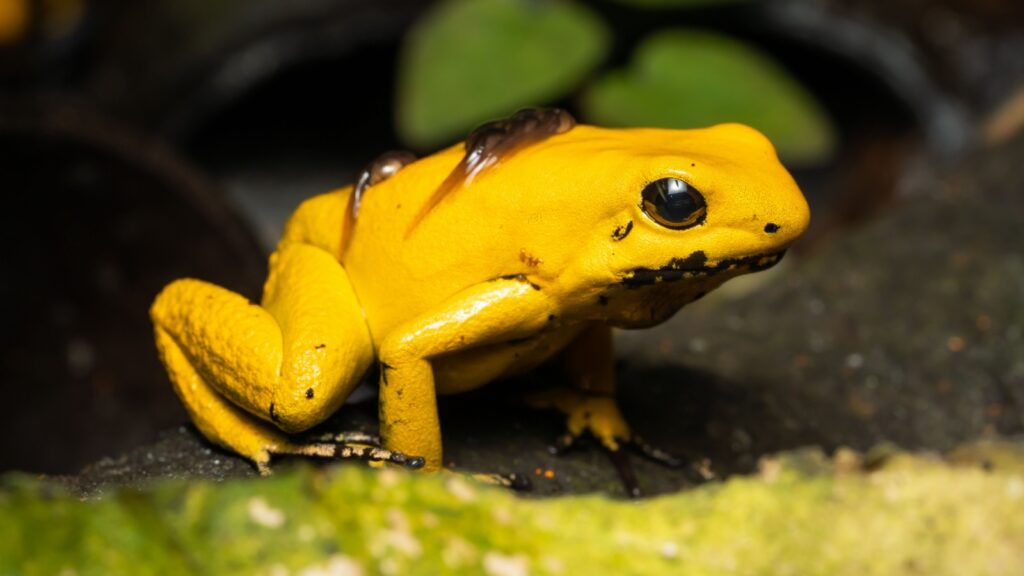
416,462
656,454
672,462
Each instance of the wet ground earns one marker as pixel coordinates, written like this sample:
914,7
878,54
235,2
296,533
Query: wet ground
907,330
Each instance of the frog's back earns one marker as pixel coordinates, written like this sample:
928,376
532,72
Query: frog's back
400,271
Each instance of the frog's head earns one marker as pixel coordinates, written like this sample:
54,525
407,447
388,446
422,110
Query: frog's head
650,219
632,222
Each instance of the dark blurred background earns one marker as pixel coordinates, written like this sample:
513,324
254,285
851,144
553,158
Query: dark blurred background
145,141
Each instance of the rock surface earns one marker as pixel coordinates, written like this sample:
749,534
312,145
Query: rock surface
909,330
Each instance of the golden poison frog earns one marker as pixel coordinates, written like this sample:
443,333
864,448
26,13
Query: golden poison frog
532,239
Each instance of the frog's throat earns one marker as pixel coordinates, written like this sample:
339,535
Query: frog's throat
695,267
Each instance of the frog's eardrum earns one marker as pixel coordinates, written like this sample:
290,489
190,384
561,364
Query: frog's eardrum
490,142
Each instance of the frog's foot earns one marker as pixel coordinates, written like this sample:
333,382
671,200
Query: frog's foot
345,446
600,416
374,454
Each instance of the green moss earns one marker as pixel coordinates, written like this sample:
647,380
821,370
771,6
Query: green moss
804,514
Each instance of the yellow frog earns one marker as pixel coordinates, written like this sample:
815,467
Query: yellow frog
535,236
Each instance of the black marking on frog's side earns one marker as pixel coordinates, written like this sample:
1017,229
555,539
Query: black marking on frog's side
494,141
551,317
517,278
622,231
696,260
273,414
320,346
309,393
694,267
771,228
520,341
383,367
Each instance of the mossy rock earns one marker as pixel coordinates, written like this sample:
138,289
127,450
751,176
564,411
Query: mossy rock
802,514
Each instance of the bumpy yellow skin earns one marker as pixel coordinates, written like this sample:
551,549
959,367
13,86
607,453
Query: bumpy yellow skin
523,261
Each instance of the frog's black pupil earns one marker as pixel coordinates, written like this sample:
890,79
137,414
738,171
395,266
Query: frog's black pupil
673,203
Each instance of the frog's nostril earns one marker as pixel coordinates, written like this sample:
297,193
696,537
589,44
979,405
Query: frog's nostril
771,228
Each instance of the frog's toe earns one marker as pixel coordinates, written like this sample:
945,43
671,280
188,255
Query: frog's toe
594,413
654,453
599,416
627,476
357,437
263,467
356,447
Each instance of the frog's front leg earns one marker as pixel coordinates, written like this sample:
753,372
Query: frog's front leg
485,314
246,372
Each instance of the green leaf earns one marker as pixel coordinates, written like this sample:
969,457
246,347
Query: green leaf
469,61
679,3
686,79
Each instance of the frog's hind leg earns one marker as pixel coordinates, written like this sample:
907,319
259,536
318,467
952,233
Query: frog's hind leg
220,421
225,424
248,372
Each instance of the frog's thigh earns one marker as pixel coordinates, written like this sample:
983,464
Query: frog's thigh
291,361
219,420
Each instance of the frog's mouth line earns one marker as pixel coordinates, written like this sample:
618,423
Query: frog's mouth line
694,267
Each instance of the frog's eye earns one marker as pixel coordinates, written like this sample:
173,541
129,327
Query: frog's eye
673,204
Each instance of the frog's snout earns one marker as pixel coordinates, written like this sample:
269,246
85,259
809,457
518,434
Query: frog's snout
783,234
785,226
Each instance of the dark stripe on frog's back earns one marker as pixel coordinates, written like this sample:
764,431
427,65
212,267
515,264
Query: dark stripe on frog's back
380,169
491,142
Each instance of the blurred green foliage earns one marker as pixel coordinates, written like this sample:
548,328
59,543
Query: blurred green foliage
804,514
469,61
472,60
679,3
685,78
